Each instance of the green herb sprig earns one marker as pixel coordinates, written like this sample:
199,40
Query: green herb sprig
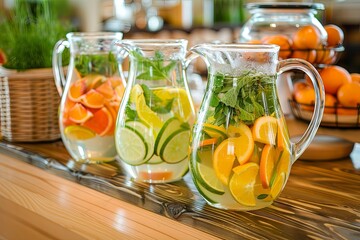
242,98
105,64
153,68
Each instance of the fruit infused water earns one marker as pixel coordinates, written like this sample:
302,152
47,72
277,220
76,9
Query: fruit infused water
153,127
88,117
90,95
242,154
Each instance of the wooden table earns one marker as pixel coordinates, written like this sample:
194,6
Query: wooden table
44,196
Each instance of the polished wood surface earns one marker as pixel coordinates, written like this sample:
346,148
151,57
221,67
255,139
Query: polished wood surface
49,197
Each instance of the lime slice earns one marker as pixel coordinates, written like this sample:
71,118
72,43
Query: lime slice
215,132
146,134
75,132
131,146
155,160
203,192
170,126
206,175
175,147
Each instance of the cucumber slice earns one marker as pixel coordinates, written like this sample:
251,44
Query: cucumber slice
170,126
205,174
130,146
176,146
146,134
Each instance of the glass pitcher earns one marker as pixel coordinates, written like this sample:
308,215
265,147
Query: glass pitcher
90,95
156,114
241,153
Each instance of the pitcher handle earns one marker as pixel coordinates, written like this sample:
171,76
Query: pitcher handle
57,65
309,69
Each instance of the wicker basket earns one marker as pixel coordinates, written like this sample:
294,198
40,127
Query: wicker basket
29,105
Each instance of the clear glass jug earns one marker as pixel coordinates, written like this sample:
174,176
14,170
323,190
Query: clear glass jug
241,153
156,114
90,94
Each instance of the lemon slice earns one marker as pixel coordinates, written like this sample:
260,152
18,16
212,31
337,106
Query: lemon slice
242,183
147,115
181,106
75,132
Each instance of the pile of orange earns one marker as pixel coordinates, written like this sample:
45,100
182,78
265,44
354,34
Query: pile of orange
92,104
342,91
307,43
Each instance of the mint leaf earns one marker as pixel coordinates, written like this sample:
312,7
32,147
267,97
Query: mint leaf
155,103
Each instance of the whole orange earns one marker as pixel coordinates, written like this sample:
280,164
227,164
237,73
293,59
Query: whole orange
349,94
330,102
335,35
306,37
355,77
281,40
305,96
308,55
333,77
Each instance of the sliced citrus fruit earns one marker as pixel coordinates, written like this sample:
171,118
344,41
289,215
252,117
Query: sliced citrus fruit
205,173
242,183
75,132
170,126
115,81
93,99
175,147
79,114
224,158
181,106
146,134
101,122
267,163
93,81
214,131
155,176
136,91
245,146
265,130
119,92
278,185
147,115
77,89
207,142
106,89
284,163
130,146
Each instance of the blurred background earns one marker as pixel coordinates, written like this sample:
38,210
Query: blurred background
196,20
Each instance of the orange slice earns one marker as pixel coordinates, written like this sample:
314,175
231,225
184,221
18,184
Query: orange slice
155,176
115,81
101,122
244,142
267,163
93,99
278,185
79,114
242,183
93,80
224,158
106,89
119,92
265,130
76,91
